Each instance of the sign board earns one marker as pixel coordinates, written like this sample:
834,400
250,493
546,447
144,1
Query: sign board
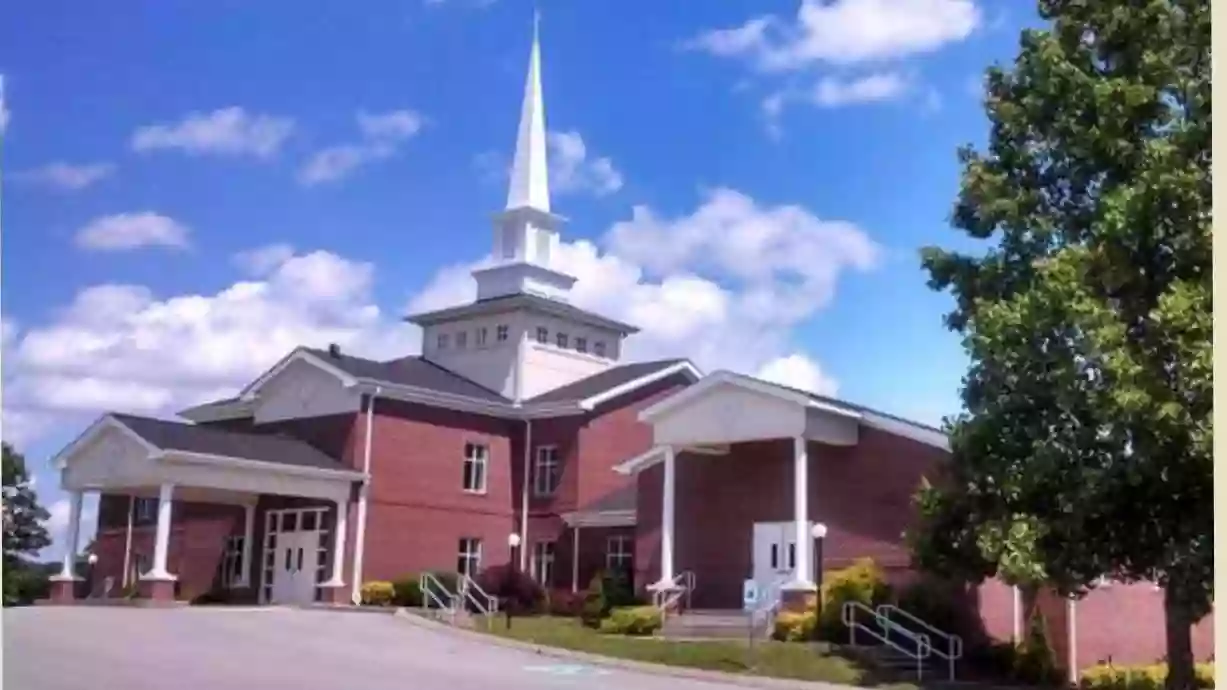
749,594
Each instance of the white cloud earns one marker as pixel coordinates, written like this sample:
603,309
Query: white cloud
4,111
382,135
798,371
571,169
121,347
844,32
883,86
126,231
228,131
67,176
261,260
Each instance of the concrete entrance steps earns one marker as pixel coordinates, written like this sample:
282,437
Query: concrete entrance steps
895,665
708,624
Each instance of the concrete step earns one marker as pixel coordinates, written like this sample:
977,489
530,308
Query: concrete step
700,624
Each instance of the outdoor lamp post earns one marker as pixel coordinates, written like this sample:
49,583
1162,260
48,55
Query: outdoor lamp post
89,574
819,532
513,543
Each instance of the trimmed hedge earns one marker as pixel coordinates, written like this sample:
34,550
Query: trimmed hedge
1151,677
792,626
377,593
632,620
407,591
862,582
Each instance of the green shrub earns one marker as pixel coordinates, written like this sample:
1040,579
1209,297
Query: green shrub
1150,677
793,626
407,591
935,603
377,593
595,606
618,590
862,582
632,620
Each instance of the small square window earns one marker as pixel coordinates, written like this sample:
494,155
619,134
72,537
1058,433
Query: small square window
599,348
481,336
581,344
501,333
561,339
543,335
462,340
443,341
619,553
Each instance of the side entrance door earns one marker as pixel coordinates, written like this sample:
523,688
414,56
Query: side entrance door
295,569
775,554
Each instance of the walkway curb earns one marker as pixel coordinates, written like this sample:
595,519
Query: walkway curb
623,664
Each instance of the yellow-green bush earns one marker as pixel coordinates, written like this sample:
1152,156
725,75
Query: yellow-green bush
793,626
632,620
378,593
862,582
1149,677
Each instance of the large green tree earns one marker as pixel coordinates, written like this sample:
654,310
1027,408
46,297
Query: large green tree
1087,314
24,533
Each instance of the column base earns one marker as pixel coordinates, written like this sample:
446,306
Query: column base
63,589
798,596
157,588
336,594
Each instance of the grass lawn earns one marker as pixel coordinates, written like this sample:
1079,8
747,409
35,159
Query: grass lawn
768,658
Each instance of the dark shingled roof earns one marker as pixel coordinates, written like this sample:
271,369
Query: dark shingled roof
410,371
167,435
524,300
601,382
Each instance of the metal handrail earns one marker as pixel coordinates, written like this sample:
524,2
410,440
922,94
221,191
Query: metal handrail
431,588
468,586
923,647
681,585
954,643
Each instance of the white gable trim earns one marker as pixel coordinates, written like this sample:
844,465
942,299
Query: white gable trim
299,354
681,367
106,421
641,462
173,455
698,390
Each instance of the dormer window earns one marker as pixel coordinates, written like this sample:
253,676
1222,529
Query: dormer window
581,344
481,336
561,339
462,340
501,333
443,341
599,348
543,335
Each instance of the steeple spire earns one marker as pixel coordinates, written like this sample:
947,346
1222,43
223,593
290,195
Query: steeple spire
530,186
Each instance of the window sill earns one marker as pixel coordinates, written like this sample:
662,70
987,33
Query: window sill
475,492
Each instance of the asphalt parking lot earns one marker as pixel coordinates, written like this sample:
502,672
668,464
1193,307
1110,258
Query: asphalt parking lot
71,648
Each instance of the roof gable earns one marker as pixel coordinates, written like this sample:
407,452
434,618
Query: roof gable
625,377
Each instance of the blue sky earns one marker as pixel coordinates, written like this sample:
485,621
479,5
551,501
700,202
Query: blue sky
192,189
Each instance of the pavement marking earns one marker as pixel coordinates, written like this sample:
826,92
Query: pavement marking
568,670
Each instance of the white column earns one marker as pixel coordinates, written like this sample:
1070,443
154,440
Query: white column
1072,631
249,535
574,560
338,545
161,545
800,498
72,535
666,518
1016,619
128,542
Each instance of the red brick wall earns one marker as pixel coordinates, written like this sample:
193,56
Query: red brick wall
1099,617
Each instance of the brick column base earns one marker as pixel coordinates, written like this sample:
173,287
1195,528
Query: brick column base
63,590
158,590
338,595
798,600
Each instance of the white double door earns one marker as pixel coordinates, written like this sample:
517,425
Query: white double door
295,567
775,553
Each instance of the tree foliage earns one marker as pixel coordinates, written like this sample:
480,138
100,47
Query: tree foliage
1085,446
24,532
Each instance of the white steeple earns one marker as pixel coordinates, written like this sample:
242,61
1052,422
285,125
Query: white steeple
526,232
530,185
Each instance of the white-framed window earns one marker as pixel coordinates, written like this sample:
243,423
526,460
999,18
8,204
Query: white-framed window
543,562
145,510
619,550
232,561
468,560
442,342
561,339
599,348
462,340
481,336
543,334
475,459
502,332
546,470
581,344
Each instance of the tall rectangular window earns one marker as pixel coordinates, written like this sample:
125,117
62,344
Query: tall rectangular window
232,561
561,339
145,510
581,344
599,348
462,340
481,336
468,560
543,334
475,460
543,563
502,332
619,552
442,341
546,471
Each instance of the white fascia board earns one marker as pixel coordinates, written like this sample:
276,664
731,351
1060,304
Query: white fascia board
659,374
106,421
714,379
835,409
641,462
299,354
605,518
910,430
270,467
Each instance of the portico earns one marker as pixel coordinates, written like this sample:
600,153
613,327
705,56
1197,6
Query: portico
745,455
183,464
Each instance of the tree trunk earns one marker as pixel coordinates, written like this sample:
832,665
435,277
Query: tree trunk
1179,630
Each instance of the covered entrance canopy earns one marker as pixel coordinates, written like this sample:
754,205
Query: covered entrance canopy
139,456
725,409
